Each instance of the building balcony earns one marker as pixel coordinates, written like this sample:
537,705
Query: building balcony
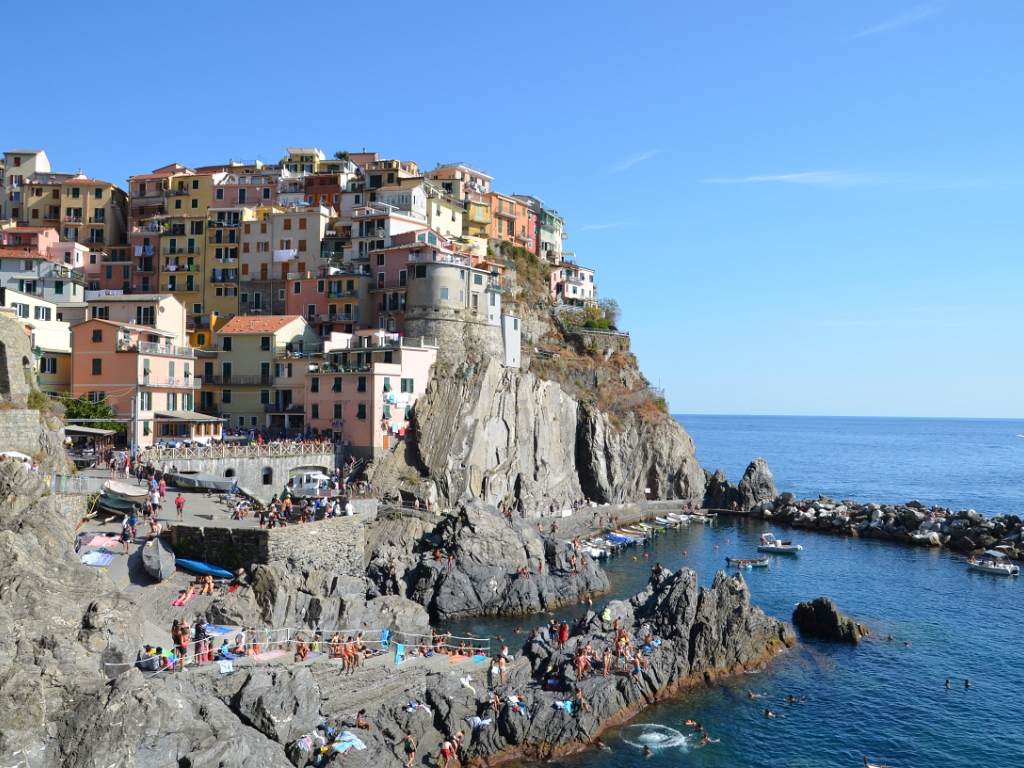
179,288
153,348
294,351
210,408
98,220
174,382
283,408
388,284
239,381
337,317
95,240
228,224
181,250
225,276
181,267
149,194
441,258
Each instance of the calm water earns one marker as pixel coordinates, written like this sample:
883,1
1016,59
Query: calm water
880,699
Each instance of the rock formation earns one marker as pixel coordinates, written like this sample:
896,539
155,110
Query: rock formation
821,618
484,577
757,485
911,523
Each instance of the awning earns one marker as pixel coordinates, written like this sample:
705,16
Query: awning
190,416
74,429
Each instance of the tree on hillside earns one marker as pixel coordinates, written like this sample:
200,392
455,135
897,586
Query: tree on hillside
611,310
83,408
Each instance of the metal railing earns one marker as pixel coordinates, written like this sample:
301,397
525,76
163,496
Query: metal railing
75,484
158,454
240,381
184,382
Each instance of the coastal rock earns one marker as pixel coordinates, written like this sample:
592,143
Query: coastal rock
821,618
282,704
636,459
757,484
484,577
719,493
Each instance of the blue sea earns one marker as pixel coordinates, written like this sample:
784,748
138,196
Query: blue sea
883,699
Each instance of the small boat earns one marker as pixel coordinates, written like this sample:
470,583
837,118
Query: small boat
201,481
760,562
874,765
118,505
678,519
994,562
158,559
653,527
198,567
771,544
126,491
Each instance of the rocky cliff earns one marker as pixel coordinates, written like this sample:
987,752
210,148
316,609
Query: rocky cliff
486,557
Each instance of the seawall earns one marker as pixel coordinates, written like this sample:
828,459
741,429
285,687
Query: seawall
331,545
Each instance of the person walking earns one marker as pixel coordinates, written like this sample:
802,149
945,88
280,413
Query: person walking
179,504
410,748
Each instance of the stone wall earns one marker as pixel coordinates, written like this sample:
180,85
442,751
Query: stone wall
328,545
459,336
249,470
589,339
34,433
15,359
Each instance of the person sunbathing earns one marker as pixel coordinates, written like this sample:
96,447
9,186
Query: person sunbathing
362,724
301,649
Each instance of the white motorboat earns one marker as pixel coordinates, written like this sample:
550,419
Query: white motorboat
993,562
773,545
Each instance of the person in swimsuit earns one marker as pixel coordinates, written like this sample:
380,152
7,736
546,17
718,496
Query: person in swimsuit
410,748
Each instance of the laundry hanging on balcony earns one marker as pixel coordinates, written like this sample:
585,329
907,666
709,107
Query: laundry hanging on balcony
286,255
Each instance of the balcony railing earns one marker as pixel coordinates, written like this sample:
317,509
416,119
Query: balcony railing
97,219
284,408
210,407
238,381
153,348
299,350
441,258
225,276
178,382
337,317
395,283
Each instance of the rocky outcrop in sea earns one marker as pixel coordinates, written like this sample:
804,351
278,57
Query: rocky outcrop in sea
821,618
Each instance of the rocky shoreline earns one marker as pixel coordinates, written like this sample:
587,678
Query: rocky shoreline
912,523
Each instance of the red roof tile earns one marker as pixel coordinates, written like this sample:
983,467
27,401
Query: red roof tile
258,323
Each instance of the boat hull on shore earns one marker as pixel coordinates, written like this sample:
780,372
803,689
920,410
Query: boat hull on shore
158,559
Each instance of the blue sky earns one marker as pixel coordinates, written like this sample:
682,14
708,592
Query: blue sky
802,207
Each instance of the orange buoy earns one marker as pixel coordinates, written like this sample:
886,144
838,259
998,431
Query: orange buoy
716,546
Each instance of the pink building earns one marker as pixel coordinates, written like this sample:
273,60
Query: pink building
572,284
330,299
366,386
145,379
38,239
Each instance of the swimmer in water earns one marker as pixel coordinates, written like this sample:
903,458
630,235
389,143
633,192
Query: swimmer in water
647,751
690,722
769,713
753,695
704,739
906,645
947,684
967,683
601,745
890,638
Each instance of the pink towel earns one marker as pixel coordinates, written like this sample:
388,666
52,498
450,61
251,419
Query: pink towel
271,654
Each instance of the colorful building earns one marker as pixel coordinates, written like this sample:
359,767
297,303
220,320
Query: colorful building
50,338
259,374
333,300
365,387
570,283
144,376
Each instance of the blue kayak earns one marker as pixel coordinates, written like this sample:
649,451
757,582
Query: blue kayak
198,567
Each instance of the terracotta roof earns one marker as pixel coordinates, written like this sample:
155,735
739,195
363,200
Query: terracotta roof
258,323
9,253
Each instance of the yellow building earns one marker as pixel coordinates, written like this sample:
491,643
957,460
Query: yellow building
300,160
477,222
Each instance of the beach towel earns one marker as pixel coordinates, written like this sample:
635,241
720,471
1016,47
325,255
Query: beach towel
399,653
180,600
271,655
455,658
216,629
97,558
313,655
102,540
233,587
477,722
226,667
385,636
566,705
478,659
466,683
346,741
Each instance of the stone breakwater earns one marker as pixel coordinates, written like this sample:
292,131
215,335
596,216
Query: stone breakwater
911,523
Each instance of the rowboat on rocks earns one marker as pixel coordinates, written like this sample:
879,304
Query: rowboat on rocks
993,562
158,559
771,544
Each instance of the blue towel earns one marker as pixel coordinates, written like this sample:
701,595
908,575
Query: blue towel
399,653
97,558
478,659
226,667
385,636
215,629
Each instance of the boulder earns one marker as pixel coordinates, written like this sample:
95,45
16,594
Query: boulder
821,618
757,484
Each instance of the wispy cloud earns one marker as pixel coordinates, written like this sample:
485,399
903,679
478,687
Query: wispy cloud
819,178
912,16
603,226
631,161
